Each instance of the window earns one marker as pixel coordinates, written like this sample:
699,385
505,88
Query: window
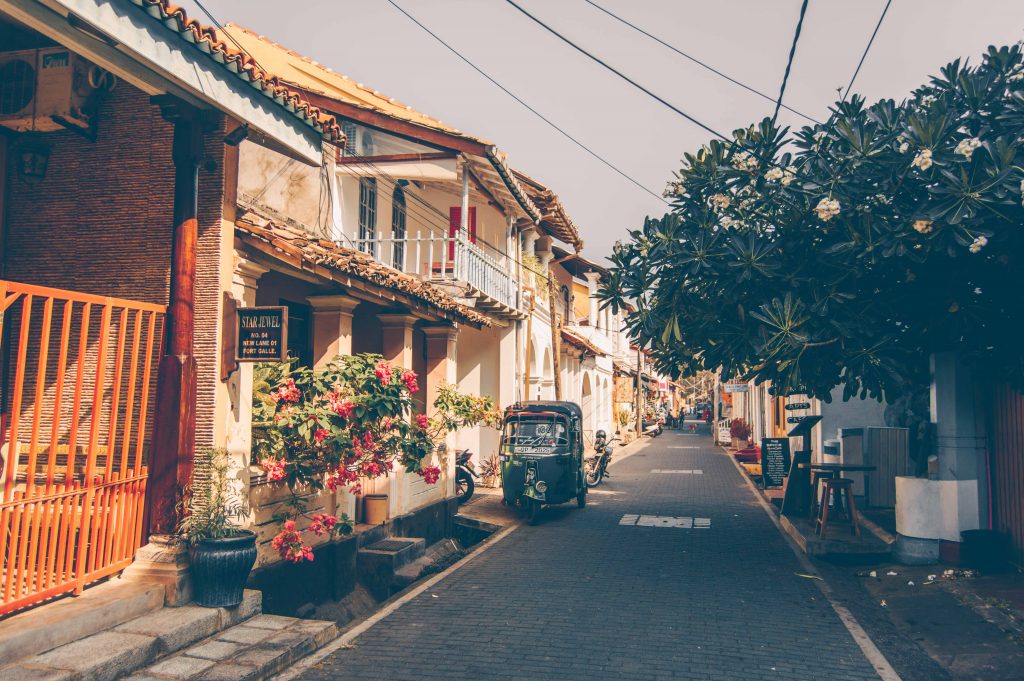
349,129
567,301
367,216
398,215
300,337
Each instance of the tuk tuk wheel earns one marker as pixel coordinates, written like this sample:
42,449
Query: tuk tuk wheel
532,509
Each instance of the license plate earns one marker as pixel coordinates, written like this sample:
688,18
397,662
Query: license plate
532,450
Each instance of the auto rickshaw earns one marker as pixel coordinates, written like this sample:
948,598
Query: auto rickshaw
541,456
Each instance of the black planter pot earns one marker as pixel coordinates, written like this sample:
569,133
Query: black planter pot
220,568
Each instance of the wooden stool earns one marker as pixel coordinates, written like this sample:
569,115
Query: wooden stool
840,492
816,477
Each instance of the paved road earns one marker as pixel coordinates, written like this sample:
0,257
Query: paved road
582,596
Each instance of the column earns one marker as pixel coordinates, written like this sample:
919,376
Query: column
396,333
396,328
332,326
592,279
441,358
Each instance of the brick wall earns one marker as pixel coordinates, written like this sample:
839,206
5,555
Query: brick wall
101,223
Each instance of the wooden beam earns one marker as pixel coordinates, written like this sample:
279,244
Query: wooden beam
395,158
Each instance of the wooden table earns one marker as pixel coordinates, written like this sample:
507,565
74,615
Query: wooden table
798,500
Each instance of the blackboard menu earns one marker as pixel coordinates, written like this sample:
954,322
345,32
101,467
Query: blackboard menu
774,460
262,334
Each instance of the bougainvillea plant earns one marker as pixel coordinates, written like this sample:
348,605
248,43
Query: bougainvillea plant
848,252
349,421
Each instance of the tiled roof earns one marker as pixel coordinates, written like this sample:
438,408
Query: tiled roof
243,66
554,218
299,245
578,341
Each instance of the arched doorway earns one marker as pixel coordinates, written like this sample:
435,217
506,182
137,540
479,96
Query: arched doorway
587,405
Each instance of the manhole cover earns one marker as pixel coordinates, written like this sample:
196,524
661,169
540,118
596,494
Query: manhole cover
389,545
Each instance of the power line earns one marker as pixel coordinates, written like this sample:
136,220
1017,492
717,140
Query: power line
789,62
697,61
867,49
523,103
620,74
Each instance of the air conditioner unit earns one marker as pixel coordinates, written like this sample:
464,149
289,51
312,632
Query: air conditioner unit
44,90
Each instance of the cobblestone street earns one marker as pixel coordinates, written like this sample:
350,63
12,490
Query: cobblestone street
705,589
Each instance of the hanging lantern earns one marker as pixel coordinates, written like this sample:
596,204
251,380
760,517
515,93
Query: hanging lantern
33,158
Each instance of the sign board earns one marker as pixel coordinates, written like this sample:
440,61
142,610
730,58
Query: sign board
724,434
797,419
797,406
262,334
736,387
774,460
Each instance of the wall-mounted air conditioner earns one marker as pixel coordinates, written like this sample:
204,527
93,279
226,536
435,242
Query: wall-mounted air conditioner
45,89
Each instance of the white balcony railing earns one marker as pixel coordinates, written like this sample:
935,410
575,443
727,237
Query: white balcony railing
437,258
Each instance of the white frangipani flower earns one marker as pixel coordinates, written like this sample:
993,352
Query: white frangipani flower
827,209
967,147
923,226
923,160
774,174
744,161
927,100
788,175
978,244
720,202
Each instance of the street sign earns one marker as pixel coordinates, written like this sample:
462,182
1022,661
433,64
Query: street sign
797,406
262,334
736,387
797,419
774,461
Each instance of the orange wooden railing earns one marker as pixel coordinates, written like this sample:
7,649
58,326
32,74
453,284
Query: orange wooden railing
76,435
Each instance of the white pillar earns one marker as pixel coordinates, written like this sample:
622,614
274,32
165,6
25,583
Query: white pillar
592,280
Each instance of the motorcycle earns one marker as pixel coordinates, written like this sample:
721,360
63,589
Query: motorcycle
596,467
464,474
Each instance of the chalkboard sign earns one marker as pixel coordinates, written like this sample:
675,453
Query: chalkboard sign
774,460
262,334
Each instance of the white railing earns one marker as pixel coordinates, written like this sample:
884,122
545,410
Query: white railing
436,258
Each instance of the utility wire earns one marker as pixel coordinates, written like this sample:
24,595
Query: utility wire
523,103
620,74
867,49
789,62
697,61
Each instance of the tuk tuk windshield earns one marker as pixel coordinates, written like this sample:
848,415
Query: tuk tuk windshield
536,430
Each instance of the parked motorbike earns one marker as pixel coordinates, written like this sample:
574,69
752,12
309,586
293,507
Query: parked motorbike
596,467
464,474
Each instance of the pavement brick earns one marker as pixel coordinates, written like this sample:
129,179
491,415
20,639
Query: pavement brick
580,596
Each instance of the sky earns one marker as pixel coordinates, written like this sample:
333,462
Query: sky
749,40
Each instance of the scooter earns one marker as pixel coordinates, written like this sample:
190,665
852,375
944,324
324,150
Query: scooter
464,474
596,467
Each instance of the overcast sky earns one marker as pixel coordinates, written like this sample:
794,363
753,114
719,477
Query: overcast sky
370,41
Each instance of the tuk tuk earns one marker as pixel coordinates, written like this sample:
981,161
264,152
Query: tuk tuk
541,456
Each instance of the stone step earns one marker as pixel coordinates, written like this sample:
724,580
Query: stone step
70,619
377,563
251,651
127,647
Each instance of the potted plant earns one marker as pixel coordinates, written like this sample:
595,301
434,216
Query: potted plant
222,552
740,431
491,471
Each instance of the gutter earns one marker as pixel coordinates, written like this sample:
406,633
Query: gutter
501,165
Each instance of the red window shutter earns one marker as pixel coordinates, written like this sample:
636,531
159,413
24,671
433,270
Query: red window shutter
455,223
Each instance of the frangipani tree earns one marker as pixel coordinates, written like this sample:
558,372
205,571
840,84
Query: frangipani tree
849,251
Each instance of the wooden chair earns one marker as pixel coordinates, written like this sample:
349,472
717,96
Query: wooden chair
814,507
840,492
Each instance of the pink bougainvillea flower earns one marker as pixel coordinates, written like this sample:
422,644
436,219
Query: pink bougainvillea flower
323,523
340,477
383,372
287,392
386,423
289,546
321,434
368,440
409,378
422,421
371,470
430,474
274,468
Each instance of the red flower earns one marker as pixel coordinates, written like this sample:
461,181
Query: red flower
371,470
368,440
322,524
339,405
430,474
409,378
422,421
274,468
321,434
287,392
383,372
289,546
341,477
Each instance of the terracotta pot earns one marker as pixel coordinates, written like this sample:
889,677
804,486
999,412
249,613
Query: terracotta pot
375,509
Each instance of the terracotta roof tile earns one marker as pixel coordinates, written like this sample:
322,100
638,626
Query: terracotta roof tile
303,246
554,219
207,40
